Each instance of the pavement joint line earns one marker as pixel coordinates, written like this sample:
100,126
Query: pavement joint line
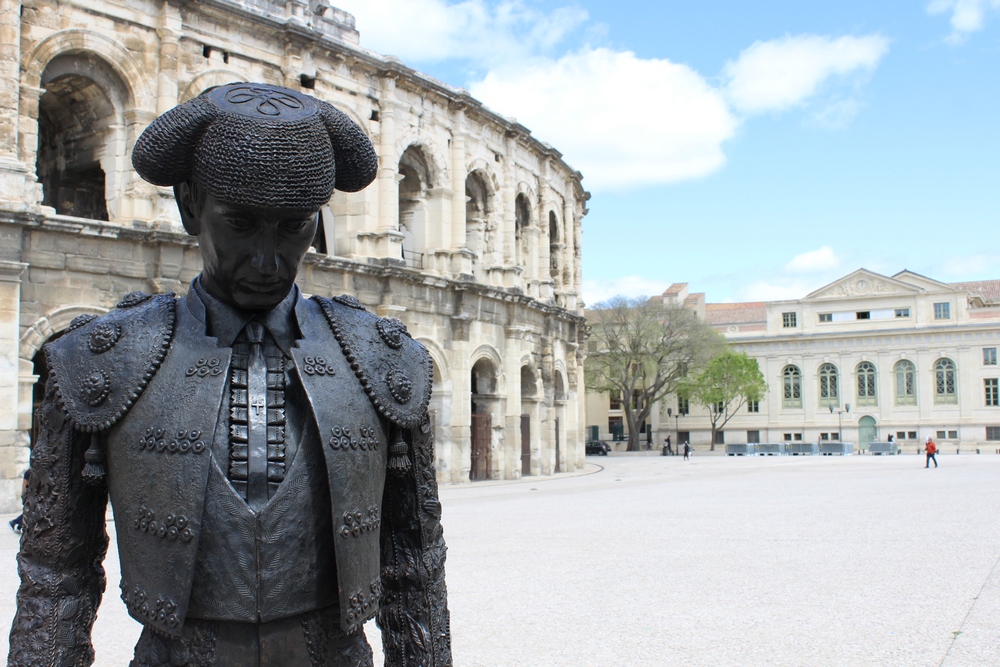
530,479
961,627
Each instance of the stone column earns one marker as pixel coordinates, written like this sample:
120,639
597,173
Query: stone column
388,190
16,177
566,266
458,221
509,193
13,442
169,30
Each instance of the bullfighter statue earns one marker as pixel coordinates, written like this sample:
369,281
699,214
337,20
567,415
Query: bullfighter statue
268,457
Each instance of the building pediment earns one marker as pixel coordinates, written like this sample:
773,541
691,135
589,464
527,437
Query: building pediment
862,283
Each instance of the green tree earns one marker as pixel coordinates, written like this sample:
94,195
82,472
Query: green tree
641,350
727,383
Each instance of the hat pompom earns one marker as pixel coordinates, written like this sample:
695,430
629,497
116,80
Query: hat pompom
164,153
356,161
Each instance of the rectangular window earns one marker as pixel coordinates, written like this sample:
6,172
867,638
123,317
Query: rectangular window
835,437
824,436
993,432
753,406
683,406
753,436
789,320
940,435
616,401
992,392
942,311
900,435
826,317
720,437
863,315
953,435
616,427
989,356
719,407
911,435
902,312
788,437
798,437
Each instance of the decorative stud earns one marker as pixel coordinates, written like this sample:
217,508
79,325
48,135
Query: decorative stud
104,337
95,387
349,301
205,367
317,366
400,386
133,299
80,321
392,331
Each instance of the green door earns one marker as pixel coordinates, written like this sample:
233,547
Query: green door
867,432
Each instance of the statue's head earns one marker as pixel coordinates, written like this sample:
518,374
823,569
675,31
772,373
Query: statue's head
251,165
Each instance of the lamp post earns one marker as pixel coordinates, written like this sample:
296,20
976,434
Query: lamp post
677,434
840,422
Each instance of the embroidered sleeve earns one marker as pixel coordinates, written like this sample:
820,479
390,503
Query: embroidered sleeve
413,615
62,547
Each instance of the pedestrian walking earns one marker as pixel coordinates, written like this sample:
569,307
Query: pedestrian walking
687,450
931,452
666,445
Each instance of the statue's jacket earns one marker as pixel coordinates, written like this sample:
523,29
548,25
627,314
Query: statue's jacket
131,404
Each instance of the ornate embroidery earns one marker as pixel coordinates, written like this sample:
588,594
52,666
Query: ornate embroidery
204,367
392,331
133,299
265,100
349,301
317,366
104,337
80,321
172,527
184,441
140,606
341,438
95,387
239,414
400,386
357,524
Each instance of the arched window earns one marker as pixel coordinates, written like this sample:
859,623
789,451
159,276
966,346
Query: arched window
414,185
906,382
829,385
793,387
867,384
479,228
944,382
522,218
554,246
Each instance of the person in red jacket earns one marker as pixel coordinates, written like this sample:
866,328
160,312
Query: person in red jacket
931,452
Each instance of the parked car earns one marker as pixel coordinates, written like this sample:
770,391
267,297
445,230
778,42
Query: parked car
597,448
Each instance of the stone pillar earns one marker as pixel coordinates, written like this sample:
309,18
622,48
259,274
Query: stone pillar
511,454
388,189
458,174
509,194
566,266
169,31
16,177
13,442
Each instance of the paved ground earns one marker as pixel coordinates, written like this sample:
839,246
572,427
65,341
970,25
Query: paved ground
718,561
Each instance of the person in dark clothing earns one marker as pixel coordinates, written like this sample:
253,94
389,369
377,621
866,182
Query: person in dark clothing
687,450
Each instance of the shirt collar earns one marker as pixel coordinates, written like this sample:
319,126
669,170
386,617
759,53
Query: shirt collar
225,322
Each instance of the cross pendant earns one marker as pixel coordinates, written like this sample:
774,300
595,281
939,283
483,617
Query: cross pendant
257,406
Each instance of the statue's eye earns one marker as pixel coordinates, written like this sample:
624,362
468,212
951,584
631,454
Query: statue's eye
295,226
241,224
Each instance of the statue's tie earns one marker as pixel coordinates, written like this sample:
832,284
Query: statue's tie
256,418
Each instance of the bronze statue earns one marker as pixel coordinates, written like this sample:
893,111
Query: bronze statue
268,457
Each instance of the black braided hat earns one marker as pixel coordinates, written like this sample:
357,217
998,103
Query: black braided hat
255,144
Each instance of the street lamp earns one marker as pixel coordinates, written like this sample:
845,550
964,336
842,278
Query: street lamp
840,422
677,434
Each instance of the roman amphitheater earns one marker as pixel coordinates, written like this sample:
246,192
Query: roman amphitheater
470,234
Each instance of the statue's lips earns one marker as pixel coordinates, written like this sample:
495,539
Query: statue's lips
259,287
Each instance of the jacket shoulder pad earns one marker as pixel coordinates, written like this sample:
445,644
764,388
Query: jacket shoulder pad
102,365
395,371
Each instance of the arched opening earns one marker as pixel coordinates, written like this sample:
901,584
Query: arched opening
829,386
792,381
528,408
484,403
554,246
945,388
414,185
479,230
522,219
867,432
559,389
906,382
80,132
867,384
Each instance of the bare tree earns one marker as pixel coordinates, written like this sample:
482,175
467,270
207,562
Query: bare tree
641,350
728,382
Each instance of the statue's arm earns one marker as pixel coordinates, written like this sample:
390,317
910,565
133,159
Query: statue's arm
414,612
62,547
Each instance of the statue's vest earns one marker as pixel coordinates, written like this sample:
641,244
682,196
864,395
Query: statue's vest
147,378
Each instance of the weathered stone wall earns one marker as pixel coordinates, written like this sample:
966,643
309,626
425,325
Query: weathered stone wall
469,289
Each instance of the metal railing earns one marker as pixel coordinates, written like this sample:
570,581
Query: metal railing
413,259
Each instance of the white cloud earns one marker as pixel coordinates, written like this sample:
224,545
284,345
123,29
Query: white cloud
622,120
814,261
783,73
479,30
595,291
966,15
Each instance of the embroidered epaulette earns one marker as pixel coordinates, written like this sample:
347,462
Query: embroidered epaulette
395,371
103,364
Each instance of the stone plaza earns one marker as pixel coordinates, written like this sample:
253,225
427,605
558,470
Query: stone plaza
651,561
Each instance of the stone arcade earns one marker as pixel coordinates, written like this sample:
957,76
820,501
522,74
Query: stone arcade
470,234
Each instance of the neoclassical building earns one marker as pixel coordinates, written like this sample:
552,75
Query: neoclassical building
910,355
470,234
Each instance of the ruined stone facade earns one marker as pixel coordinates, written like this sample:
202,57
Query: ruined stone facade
470,234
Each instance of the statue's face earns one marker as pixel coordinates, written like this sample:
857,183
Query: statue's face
250,255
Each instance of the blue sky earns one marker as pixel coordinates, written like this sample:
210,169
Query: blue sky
754,149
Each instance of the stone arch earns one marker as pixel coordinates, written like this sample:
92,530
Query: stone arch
211,78
482,219
436,161
555,246
440,409
416,184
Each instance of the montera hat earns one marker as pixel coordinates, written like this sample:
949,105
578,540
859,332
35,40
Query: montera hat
253,144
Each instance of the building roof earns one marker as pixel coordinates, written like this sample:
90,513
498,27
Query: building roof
988,289
674,289
736,313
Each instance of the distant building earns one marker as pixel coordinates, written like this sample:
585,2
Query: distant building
911,356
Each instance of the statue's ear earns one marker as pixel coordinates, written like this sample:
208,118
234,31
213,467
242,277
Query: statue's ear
190,201
354,156
164,153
